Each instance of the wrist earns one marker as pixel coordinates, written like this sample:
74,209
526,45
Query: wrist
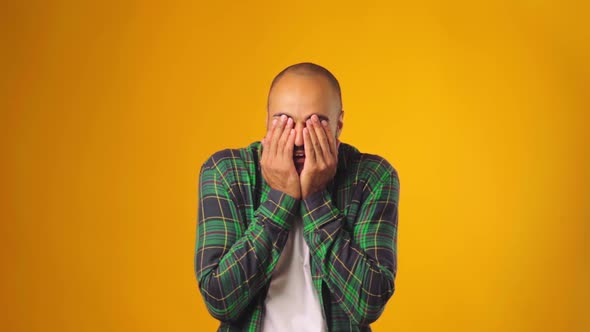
291,189
279,207
310,191
318,210
294,194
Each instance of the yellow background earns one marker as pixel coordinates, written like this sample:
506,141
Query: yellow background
108,110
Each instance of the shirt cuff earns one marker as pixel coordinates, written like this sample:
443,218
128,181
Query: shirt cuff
279,208
317,210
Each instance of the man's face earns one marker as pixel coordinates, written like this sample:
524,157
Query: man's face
299,97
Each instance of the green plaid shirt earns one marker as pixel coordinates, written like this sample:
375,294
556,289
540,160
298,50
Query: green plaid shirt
350,228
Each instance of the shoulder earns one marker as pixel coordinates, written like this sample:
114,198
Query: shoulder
366,166
232,166
232,158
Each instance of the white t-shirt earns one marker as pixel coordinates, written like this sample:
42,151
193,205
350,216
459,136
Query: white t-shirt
292,303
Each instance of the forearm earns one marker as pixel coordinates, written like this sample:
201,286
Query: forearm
359,274
229,285
233,268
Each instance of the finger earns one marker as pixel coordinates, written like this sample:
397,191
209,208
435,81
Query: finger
315,141
270,129
284,136
276,134
321,138
268,139
263,147
331,138
288,152
308,146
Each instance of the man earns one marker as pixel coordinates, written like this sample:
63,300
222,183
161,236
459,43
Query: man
297,232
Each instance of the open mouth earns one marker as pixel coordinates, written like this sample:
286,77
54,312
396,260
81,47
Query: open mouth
299,161
299,155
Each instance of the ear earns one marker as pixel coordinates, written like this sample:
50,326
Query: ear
340,124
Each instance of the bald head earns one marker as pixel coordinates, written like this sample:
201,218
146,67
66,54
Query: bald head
310,70
302,91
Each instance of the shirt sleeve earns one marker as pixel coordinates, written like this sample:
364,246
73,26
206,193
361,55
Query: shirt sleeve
359,265
234,261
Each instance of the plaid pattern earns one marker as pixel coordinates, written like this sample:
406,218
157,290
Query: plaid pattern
350,228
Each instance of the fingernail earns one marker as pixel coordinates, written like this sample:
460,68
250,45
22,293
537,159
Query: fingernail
274,121
283,118
289,121
324,123
315,118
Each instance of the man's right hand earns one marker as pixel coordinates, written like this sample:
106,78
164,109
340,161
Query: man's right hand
278,168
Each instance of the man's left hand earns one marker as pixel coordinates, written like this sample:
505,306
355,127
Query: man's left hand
321,156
